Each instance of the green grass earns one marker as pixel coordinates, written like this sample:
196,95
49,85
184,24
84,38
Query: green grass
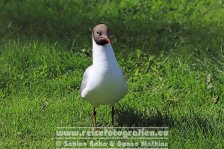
171,53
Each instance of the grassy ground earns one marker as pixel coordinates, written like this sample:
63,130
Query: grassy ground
171,52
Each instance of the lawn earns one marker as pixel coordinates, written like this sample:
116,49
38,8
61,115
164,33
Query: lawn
171,53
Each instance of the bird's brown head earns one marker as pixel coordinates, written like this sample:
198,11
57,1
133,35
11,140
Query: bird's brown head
100,34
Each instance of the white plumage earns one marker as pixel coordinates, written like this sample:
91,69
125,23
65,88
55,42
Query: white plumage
103,82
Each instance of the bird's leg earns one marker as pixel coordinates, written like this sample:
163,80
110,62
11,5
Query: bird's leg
112,114
94,116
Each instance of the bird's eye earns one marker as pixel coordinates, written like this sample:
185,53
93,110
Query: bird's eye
98,33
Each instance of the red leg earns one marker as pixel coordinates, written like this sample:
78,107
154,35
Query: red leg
112,114
94,116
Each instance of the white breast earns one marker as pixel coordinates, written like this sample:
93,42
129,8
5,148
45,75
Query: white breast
105,83
105,86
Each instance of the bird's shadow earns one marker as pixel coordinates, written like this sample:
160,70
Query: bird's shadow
129,117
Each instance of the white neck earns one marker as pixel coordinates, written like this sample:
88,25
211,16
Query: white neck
103,55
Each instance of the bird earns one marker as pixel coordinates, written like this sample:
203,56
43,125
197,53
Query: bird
103,82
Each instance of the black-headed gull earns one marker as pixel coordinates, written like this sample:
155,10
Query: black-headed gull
103,82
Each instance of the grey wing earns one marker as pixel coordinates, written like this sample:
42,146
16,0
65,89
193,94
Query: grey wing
84,80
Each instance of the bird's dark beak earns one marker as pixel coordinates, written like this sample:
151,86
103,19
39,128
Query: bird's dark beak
105,40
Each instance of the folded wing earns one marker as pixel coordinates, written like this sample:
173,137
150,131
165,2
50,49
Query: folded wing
84,80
